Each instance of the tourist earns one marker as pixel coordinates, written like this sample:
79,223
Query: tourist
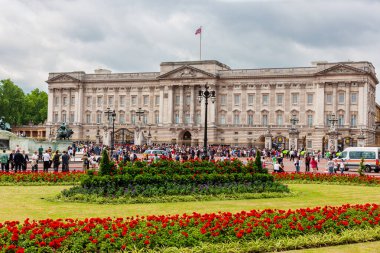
65,161
330,166
4,161
11,160
341,166
46,160
40,151
24,161
297,163
86,163
34,161
56,161
18,160
307,163
276,167
314,164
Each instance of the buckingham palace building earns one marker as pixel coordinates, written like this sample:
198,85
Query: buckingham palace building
322,106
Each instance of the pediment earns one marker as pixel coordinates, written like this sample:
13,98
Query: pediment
63,78
185,72
341,69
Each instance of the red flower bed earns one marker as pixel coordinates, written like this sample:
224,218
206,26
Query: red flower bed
31,177
323,177
186,230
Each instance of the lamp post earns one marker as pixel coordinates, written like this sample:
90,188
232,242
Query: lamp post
206,94
293,132
149,136
333,133
111,115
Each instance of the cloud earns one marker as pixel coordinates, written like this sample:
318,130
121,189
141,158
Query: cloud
38,37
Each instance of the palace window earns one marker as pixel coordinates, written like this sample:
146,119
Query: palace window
55,117
64,101
265,99
250,119
329,98
223,99
88,118
237,99
133,100
251,99
310,120
110,101
99,101
176,118
309,144
198,118
236,118
122,118
294,98
310,99
354,98
122,101
187,118
145,118
133,118
146,100
157,100
177,100
64,119
72,100
88,101
279,119
341,98
341,119
71,118
222,119
264,120
188,100
353,120
280,99
156,117
99,118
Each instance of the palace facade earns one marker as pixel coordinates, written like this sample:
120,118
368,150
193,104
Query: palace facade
252,107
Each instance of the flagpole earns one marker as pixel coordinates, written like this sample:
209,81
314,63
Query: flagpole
200,45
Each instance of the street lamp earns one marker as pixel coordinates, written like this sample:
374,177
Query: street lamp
111,115
333,133
206,94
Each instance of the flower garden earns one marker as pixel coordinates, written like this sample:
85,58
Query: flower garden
180,227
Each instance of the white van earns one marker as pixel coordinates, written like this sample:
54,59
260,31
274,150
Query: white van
352,157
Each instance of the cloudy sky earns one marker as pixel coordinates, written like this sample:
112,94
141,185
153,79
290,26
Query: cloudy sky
38,37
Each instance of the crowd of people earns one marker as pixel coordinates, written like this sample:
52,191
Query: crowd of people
90,153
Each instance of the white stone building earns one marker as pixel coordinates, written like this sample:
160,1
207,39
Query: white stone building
250,104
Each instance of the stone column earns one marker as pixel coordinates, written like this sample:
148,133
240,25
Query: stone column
50,105
161,106
169,113
60,106
181,98
192,104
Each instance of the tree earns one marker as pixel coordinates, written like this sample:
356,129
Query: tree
12,102
36,109
18,108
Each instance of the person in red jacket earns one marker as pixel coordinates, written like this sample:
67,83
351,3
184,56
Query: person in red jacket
314,165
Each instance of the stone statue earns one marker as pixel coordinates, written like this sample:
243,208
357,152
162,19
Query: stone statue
4,125
64,132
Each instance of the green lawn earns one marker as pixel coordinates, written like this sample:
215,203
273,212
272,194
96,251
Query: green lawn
20,202
368,247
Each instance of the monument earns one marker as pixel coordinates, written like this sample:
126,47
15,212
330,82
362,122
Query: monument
64,132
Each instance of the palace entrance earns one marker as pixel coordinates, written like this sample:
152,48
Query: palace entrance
123,136
186,138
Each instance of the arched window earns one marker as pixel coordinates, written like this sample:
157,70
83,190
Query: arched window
236,117
250,118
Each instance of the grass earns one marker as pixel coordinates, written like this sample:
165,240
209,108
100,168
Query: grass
367,247
20,202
